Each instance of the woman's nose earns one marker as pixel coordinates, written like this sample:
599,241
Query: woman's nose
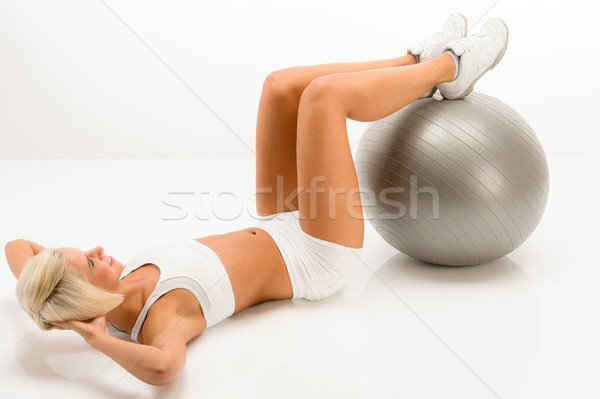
97,250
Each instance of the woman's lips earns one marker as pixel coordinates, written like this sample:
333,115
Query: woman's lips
111,260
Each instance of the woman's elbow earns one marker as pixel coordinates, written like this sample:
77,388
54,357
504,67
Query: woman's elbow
163,377
166,373
169,363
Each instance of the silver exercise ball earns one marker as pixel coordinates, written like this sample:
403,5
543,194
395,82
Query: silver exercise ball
453,182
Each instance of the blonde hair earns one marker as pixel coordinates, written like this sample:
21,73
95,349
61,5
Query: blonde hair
50,290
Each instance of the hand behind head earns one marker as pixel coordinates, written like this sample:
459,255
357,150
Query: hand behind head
84,328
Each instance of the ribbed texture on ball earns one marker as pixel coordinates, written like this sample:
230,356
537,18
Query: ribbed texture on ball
480,159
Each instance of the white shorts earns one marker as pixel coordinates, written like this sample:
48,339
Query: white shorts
317,268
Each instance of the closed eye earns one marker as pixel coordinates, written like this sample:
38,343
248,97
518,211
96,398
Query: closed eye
90,261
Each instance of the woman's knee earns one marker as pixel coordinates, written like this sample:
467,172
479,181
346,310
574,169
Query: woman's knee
282,83
327,88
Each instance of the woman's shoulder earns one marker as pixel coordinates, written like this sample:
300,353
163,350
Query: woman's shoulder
177,307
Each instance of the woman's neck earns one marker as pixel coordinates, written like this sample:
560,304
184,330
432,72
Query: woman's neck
126,314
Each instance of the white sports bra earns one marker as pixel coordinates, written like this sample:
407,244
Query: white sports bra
190,265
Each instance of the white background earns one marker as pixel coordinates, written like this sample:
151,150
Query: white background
149,79
178,83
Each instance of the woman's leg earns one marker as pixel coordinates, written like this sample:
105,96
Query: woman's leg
329,200
276,172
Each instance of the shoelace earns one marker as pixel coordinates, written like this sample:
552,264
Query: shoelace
432,41
436,38
472,40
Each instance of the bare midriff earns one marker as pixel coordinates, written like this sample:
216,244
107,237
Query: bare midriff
254,265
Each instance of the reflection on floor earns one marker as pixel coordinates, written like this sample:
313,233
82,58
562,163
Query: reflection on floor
523,326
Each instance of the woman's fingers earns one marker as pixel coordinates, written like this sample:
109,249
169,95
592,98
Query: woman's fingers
85,329
61,325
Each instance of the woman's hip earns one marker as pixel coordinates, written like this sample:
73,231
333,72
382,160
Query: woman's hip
317,268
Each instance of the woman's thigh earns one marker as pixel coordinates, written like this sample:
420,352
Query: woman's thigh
329,197
276,173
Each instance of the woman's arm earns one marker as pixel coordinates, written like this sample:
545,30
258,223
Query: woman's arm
158,363
18,253
148,363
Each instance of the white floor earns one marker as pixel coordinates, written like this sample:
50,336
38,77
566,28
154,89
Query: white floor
525,326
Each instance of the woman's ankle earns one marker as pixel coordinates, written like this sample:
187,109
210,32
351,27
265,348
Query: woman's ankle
412,59
449,66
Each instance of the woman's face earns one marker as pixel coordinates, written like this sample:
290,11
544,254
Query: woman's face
99,269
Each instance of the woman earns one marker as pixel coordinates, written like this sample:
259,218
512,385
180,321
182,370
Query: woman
309,235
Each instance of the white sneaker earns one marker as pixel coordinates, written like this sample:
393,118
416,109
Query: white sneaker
478,53
454,28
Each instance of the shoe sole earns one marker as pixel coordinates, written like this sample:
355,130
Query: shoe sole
496,61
